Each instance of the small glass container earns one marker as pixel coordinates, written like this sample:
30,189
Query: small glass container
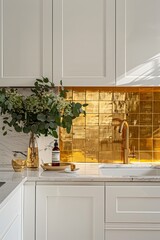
18,161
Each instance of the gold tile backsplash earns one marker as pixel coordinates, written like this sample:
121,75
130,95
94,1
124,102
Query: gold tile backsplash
96,137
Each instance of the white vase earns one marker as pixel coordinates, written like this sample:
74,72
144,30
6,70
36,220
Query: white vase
45,145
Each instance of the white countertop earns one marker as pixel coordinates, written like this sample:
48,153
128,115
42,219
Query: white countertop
86,173
12,182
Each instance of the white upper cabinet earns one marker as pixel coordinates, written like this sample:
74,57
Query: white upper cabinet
25,41
138,42
84,42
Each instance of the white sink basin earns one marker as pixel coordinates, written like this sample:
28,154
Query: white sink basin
129,170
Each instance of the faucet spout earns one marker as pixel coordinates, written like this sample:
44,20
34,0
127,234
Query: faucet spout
124,128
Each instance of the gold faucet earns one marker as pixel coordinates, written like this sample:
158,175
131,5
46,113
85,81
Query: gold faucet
124,128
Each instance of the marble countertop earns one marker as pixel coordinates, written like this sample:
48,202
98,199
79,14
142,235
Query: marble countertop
85,173
12,182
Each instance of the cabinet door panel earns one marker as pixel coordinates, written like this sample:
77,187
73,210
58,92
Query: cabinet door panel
69,212
83,42
137,42
133,204
14,231
132,234
10,212
25,41
11,219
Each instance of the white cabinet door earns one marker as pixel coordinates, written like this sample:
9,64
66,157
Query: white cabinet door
11,218
138,42
134,204
84,42
69,212
132,211
25,41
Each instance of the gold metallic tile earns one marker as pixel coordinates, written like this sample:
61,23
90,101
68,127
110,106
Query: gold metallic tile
119,96
146,119
132,119
92,157
117,146
92,95
105,119
105,107
156,131
92,145
156,144
156,156
79,121
79,144
133,132
96,137
105,144
117,156
132,96
146,144
156,119
119,106
79,132
133,145
66,145
66,156
145,156
145,106
93,107
106,156
132,106
104,95
156,95
146,96
79,95
105,132
92,119
92,132
78,156
156,107
145,132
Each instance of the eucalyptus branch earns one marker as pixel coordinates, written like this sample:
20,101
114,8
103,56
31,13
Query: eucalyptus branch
41,112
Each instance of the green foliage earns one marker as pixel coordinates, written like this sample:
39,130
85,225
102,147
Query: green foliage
41,112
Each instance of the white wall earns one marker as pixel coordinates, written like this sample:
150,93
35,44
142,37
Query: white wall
13,141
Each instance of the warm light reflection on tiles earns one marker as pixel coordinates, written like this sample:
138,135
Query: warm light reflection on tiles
95,138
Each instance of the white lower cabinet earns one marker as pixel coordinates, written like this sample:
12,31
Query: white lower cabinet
69,212
132,211
11,218
91,211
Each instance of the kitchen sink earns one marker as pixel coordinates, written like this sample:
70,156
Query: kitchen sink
1,183
129,170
